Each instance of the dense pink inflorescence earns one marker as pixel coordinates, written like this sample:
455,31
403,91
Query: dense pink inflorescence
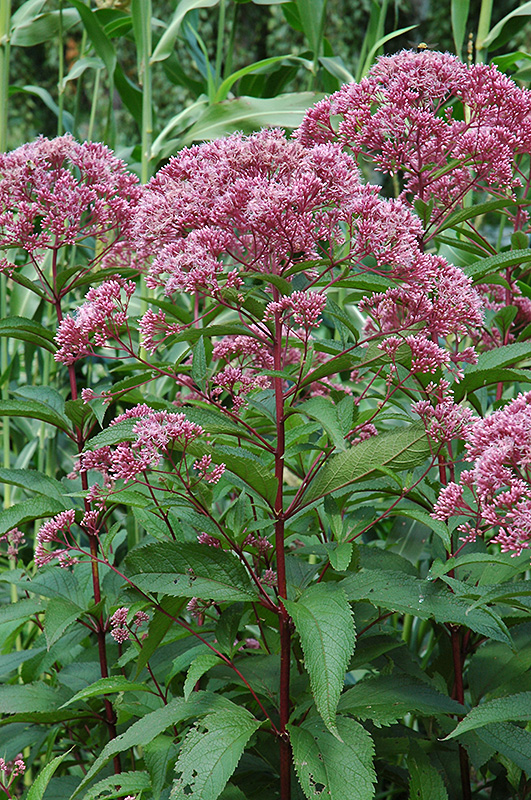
404,117
496,493
56,192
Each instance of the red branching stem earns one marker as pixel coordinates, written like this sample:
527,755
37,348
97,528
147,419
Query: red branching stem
459,695
284,619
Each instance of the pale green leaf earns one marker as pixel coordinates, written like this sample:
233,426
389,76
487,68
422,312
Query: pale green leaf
166,43
117,683
515,708
331,768
210,754
323,619
197,669
249,113
38,787
117,785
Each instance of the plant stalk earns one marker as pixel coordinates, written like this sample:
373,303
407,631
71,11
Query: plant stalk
485,16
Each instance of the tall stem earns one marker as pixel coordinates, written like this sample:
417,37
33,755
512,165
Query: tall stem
459,694
485,16
61,75
283,616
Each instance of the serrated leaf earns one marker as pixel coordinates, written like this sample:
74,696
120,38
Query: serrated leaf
158,627
21,610
111,685
35,697
210,754
406,594
119,784
425,783
144,731
325,411
35,481
38,787
492,368
28,511
121,432
387,698
400,449
28,330
199,364
438,527
331,768
341,556
516,708
190,570
511,741
496,263
34,410
324,622
60,613
197,669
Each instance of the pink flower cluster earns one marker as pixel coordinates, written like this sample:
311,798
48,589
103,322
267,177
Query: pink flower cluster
59,192
56,530
496,493
14,539
120,629
155,433
445,126
100,317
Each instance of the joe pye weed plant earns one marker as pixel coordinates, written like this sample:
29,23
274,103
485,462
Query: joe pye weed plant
266,568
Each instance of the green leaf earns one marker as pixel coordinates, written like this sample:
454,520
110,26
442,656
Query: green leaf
490,368
23,609
199,364
325,411
341,556
119,785
29,510
459,13
425,783
249,113
438,527
60,613
509,740
101,43
42,28
331,768
121,432
497,263
406,594
111,685
324,622
497,31
152,724
35,481
197,669
158,628
462,214
166,43
35,697
28,330
80,66
210,754
42,780
399,449
34,410
190,570
515,708
312,17
388,698
257,66
49,102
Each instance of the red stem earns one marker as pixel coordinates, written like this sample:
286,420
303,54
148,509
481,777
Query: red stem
283,616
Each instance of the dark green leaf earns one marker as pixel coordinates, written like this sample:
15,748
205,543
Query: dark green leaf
516,707
190,570
34,410
210,754
107,686
28,330
28,510
399,449
327,767
60,613
324,621
426,783
497,263
38,787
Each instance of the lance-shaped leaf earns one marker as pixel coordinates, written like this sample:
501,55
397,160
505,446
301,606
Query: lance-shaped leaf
117,683
516,708
190,570
324,621
497,263
406,594
210,754
143,731
512,741
331,768
29,510
28,330
426,783
131,782
34,410
42,780
400,449
492,367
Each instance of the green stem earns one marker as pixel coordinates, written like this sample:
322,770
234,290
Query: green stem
219,43
5,47
485,16
95,92
146,82
60,84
